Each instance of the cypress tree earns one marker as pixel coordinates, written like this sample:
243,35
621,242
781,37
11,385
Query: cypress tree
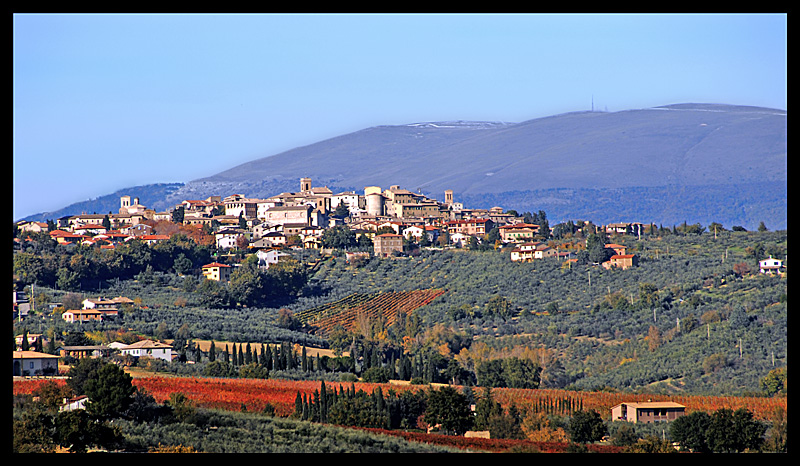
298,406
226,355
276,361
241,355
304,361
234,358
248,356
212,352
323,403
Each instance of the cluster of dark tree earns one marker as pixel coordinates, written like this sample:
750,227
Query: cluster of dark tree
250,285
39,426
248,362
406,409
723,431
341,237
446,410
42,261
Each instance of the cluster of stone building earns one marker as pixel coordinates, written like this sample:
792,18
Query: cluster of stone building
299,219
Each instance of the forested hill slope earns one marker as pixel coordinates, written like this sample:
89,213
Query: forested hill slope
695,316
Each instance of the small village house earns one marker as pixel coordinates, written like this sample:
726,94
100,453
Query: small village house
71,404
269,257
217,271
86,351
472,227
148,348
518,232
386,244
647,412
27,363
618,248
524,252
82,315
770,265
33,339
622,261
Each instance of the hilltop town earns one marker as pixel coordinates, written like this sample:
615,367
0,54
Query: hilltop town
380,220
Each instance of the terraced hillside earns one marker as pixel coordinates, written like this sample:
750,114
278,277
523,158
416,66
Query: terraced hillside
347,311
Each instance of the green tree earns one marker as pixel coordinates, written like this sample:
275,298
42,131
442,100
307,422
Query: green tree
213,294
182,264
498,306
774,383
177,215
84,370
486,408
450,409
341,210
339,237
734,431
110,391
78,431
651,444
586,426
247,284
690,431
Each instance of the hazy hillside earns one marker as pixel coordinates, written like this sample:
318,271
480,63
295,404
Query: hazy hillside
686,162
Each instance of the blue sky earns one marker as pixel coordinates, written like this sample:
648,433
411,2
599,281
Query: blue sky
104,102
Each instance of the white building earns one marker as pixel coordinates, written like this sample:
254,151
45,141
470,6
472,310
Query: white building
34,363
269,257
71,404
770,265
148,348
226,239
414,233
351,199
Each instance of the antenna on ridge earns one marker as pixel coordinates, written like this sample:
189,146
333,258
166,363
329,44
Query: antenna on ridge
592,102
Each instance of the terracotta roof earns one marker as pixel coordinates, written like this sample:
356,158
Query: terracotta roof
84,311
460,222
653,404
32,355
146,344
215,264
621,256
154,237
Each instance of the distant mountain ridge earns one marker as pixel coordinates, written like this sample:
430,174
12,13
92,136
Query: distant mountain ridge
727,162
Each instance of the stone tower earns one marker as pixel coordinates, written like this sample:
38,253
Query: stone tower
448,197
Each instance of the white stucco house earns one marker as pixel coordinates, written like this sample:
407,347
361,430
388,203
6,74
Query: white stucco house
770,265
71,404
269,257
26,363
149,349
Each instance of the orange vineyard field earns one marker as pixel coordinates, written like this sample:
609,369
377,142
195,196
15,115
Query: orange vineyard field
348,310
254,394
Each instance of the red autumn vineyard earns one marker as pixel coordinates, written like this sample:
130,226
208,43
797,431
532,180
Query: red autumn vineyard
219,393
346,311
254,394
